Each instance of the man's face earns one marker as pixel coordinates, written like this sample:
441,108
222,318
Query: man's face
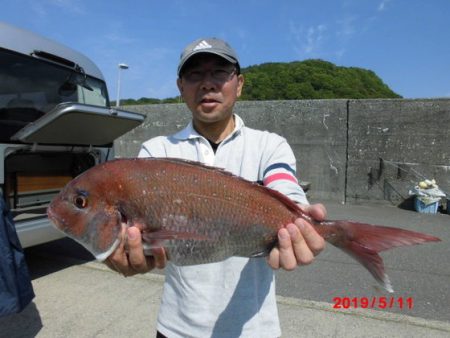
210,86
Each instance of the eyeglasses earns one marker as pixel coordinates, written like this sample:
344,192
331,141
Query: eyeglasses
219,75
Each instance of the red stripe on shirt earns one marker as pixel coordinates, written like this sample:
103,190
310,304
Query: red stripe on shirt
279,176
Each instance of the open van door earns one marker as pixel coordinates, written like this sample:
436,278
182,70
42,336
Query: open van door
79,124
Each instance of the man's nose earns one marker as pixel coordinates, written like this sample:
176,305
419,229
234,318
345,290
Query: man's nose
208,81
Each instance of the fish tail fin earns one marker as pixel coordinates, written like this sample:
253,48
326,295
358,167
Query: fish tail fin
363,242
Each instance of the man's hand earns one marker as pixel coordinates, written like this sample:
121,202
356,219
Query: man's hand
133,261
298,243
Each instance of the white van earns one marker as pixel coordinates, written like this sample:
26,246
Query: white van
55,122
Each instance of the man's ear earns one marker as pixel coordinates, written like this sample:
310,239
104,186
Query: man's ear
240,85
180,86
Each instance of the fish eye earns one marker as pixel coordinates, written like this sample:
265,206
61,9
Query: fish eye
80,202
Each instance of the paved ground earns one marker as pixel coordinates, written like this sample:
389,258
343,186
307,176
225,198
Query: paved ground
421,272
76,297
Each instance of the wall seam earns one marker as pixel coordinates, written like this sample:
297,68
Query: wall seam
347,131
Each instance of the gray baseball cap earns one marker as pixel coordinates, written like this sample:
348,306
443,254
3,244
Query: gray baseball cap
208,45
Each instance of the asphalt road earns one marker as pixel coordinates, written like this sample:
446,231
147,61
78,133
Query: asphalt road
420,274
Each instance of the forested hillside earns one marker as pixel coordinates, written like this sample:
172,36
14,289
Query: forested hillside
309,79
312,79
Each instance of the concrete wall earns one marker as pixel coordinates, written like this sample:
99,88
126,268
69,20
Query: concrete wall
411,136
338,143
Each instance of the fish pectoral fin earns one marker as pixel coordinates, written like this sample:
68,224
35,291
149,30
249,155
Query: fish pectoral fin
164,234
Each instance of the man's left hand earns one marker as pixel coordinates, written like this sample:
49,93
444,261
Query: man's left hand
298,242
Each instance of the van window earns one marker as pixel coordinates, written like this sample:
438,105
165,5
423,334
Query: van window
30,87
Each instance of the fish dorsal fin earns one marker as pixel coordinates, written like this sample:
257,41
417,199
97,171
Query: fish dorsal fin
290,204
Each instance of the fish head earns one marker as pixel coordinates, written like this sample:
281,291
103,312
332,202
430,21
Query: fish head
83,211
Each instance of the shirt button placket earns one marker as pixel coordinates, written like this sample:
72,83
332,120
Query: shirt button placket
207,153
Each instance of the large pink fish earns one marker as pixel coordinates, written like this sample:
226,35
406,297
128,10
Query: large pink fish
200,215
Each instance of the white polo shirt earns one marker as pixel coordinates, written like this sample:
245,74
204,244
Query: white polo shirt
236,297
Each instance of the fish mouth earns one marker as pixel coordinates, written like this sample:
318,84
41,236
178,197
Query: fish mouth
58,223
52,217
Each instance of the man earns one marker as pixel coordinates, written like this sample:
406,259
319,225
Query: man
235,297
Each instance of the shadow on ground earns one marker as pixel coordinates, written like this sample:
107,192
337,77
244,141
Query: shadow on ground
63,253
42,260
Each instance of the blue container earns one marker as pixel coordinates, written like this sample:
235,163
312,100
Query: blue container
425,208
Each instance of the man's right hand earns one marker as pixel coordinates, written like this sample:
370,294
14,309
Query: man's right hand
133,261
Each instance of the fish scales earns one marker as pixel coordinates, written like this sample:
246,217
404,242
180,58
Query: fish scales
204,204
200,214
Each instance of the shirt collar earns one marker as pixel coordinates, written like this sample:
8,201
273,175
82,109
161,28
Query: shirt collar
190,133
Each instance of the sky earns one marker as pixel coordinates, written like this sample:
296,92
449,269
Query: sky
405,42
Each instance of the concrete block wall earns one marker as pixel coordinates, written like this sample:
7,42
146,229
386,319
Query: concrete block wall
349,150
392,144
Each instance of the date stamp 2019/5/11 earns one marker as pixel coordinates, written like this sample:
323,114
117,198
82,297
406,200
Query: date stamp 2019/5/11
382,302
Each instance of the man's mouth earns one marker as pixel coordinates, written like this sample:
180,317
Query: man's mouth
208,100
